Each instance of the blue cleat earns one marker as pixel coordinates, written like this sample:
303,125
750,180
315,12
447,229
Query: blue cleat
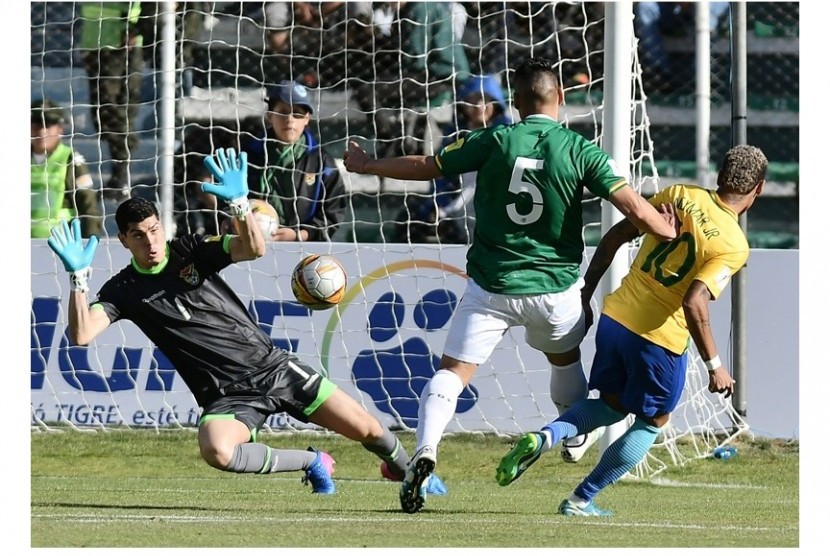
569,508
435,486
414,486
319,473
526,451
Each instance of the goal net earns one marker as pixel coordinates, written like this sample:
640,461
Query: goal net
395,82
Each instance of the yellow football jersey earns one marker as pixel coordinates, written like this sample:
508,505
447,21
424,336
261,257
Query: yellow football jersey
711,247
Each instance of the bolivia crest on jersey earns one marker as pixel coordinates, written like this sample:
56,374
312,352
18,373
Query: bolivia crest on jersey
189,274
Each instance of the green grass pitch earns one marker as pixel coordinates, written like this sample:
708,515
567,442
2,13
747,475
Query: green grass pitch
148,489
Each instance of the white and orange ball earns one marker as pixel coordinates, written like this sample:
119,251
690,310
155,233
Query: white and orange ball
319,282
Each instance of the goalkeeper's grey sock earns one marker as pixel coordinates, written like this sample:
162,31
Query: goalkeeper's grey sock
253,457
389,448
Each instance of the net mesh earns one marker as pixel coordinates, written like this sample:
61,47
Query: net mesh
389,80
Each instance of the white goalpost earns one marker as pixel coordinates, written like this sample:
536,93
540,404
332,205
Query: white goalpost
207,80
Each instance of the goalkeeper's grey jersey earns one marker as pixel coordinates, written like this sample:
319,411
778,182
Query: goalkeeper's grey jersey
185,307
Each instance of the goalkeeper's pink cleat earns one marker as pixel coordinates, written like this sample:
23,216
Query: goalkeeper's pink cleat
319,473
387,473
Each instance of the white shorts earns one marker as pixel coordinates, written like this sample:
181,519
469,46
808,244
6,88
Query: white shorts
554,322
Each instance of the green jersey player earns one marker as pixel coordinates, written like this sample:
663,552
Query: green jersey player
523,264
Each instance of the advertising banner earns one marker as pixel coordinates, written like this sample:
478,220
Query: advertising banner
381,344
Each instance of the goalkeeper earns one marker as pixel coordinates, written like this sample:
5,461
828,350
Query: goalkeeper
173,292
643,332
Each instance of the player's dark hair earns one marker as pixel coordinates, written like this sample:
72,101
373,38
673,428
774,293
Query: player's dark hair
132,211
743,167
536,80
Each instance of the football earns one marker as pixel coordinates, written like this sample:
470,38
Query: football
265,215
319,282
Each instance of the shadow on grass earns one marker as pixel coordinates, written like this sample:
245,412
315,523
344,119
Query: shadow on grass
122,506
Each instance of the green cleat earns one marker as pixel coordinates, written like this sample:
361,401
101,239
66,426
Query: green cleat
526,451
569,508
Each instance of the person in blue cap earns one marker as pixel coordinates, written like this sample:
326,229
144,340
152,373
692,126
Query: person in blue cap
290,170
446,215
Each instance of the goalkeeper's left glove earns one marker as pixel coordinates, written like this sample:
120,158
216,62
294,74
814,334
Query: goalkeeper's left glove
232,173
66,242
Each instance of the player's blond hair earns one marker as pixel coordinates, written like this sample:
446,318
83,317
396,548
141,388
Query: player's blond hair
743,167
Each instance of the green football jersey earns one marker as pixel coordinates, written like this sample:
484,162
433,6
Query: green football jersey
528,202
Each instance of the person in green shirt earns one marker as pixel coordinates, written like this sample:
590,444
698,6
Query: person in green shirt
62,186
418,62
524,261
111,51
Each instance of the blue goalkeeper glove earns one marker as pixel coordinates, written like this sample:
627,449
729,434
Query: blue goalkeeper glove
232,174
67,243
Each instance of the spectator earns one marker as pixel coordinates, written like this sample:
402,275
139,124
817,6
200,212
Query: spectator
290,170
311,40
418,61
653,22
62,186
111,48
190,21
447,214
502,34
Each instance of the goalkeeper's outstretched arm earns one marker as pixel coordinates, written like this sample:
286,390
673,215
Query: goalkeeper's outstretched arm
66,242
85,323
232,174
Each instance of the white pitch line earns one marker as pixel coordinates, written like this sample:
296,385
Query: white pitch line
656,481
670,483
507,519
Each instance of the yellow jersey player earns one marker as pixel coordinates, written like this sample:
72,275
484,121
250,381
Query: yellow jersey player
643,333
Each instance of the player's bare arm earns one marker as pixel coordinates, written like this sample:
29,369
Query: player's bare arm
410,167
644,216
231,171
620,234
696,309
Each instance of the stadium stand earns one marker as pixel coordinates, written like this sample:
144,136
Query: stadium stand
232,70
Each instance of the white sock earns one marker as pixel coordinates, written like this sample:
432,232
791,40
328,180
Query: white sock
567,385
578,502
547,441
437,407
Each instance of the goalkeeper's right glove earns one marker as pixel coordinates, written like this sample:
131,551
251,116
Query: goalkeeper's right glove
232,173
66,242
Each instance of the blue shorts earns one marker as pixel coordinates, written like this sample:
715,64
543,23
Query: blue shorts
648,377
